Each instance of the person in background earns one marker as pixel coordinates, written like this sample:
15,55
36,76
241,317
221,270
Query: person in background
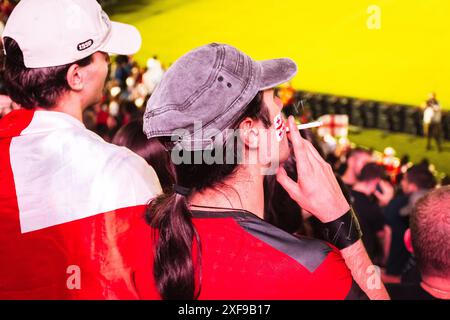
432,117
356,160
153,75
416,182
429,234
6,7
376,234
445,181
102,121
122,72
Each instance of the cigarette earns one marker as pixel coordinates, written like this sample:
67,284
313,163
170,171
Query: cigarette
307,125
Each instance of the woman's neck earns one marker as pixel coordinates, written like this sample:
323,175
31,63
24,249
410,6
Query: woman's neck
242,191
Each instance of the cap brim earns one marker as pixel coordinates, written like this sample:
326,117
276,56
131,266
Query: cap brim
125,39
276,71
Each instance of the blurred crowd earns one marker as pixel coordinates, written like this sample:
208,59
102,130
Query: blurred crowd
126,92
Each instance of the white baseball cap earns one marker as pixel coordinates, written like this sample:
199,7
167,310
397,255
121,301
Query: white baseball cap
58,32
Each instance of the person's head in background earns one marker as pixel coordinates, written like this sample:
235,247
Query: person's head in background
122,60
132,137
60,63
334,161
230,97
432,96
369,178
404,160
128,111
417,178
430,235
356,160
445,181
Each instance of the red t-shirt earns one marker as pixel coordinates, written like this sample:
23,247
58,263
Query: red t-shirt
244,257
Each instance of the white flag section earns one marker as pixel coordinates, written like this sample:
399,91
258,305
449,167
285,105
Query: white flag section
72,209
335,125
63,172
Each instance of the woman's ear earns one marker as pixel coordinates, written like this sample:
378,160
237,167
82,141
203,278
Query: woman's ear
249,134
75,77
407,241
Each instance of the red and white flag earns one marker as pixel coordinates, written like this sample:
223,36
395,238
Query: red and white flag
71,211
335,125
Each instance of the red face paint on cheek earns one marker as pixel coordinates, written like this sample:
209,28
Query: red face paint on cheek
280,127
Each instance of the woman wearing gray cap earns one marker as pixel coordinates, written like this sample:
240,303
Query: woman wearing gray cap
215,111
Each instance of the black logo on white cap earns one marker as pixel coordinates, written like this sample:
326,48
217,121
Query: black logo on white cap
85,45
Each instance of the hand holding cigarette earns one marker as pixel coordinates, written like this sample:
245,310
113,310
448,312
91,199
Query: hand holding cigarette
316,189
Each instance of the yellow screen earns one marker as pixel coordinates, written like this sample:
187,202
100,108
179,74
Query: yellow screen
391,50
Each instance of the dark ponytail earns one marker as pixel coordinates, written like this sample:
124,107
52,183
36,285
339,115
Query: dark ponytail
174,269
178,275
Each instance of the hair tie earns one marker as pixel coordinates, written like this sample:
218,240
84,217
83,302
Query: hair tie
181,190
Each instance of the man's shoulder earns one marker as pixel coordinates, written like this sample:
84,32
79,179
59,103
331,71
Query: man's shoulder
104,160
86,140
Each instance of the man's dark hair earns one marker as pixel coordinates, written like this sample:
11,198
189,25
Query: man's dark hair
34,87
430,229
371,171
122,59
421,177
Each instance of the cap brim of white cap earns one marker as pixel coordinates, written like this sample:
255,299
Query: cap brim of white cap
125,39
275,72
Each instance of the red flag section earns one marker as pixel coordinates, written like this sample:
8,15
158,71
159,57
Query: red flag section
71,211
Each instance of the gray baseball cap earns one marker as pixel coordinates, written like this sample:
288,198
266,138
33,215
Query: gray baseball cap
212,84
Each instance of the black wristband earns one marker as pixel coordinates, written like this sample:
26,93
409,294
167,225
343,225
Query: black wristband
342,232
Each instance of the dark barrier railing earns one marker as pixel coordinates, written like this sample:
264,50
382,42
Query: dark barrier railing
369,114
